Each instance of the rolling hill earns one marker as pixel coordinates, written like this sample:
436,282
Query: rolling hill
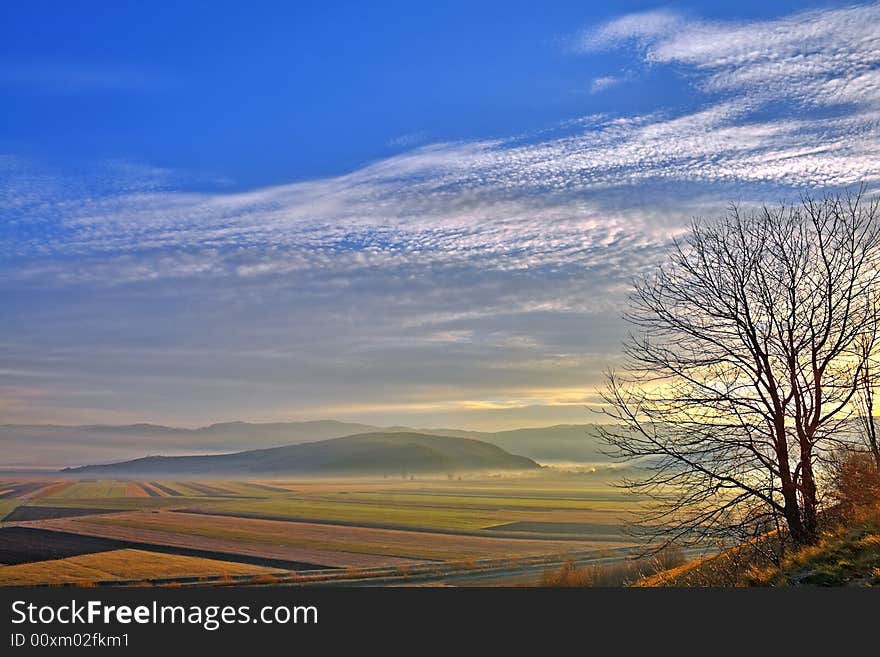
572,443
367,453
58,446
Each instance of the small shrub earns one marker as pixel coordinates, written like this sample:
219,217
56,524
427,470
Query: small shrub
568,575
621,573
469,563
855,484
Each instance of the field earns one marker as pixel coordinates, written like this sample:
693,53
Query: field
101,532
124,565
6,507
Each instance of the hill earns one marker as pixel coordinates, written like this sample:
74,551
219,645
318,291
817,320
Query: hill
367,453
574,443
845,555
57,445
37,445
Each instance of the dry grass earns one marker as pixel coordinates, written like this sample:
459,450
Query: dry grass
730,567
846,556
568,575
134,489
52,489
313,543
621,573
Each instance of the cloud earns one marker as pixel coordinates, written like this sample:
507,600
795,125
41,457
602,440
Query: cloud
823,57
602,83
469,275
641,27
507,204
408,140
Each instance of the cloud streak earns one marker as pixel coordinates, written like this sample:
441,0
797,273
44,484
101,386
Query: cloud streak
824,57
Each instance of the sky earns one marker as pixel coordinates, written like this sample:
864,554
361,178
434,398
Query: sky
394,213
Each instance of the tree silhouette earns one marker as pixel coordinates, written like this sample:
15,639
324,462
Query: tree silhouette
748,347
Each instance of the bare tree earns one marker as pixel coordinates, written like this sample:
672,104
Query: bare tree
743,365
866,398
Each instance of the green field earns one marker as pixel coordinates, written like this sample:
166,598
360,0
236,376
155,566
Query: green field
126,503
233,529
438,505
434,507
368,513
7,505
339,523
457,500
90,490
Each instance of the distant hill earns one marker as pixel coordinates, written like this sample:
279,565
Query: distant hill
366,453
37,445
573,443
57,445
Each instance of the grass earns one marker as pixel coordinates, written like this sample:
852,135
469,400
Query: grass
118,503
730,567
241,530
7,505
423,510
849,556
845,555
89,490
51,490
134,489
439,512
328,544
378,514
121,565
456,513
180,487
622,573
453,507
110,490
481,501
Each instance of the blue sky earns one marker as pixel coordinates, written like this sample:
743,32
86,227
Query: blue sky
393,214
285,91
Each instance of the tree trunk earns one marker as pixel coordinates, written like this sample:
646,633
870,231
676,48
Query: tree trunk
792,514
809,505
872,436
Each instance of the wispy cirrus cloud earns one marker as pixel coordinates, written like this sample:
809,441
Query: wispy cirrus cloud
541,202
820,57
600,84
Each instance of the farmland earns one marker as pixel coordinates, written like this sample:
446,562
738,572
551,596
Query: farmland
167,531
125,565
6,507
